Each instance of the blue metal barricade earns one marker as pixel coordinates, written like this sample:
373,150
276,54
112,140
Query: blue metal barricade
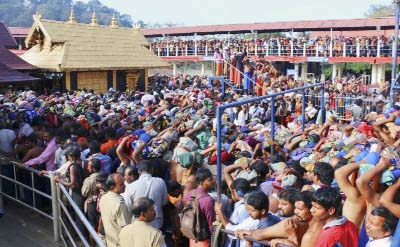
221,108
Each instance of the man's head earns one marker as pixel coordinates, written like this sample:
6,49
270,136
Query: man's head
145,166
60,137
94,165
143,209
110,134
72,153
48,134
94,147
303,206
174,188
205,179
257,204
326,203
240,187
380,223
323,173
130,174
287,198
115,183
261,169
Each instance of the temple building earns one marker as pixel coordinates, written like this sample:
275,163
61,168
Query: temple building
91,55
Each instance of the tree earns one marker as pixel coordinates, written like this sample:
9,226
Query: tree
19,12
379,10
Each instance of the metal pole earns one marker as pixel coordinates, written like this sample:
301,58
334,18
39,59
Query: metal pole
323,103
272,123
223,88
303,109
394,53
1,193
195,44
219,146
331,44
54,205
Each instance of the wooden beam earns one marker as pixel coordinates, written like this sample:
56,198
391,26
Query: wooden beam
68,80
146,78
115,79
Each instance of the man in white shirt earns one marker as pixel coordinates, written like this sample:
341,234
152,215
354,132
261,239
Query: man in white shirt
380,226
150,187
7,138
310,111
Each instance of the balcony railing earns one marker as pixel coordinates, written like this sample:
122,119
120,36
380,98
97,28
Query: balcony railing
287,49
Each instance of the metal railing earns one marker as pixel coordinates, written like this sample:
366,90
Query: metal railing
27,193
289,50
226,81
13,186
246,237
62,192
221,108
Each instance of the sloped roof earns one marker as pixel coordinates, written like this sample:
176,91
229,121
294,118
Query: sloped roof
13,61
6,39
78,46
297,26
7,74
19,32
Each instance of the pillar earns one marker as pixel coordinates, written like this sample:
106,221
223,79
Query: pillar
374,74
202,69
380,78
114,80
334,71
340,70
174,69
185,70
68,80
146,78
304,70
296,71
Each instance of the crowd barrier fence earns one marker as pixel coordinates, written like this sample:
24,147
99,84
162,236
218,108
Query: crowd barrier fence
25,186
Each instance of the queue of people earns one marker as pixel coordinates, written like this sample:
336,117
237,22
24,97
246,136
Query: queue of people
323,46
133,162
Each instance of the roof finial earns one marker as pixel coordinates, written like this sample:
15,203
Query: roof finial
72,19
114,22
94,19
136,26
37,16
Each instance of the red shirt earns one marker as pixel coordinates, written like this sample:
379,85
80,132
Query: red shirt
340,231
109,144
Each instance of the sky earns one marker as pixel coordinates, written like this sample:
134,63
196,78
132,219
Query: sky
209,12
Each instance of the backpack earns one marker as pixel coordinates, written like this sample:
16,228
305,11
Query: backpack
193,222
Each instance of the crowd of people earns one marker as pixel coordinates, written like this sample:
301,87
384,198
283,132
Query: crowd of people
362,46
134,161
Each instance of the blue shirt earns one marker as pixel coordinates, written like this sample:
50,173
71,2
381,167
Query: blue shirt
266,222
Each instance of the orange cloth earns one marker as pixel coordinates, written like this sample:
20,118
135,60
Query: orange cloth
259,86
107,145
238,79
232,72
219,68
175,200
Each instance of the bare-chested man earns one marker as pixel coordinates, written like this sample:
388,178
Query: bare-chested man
299,230
354,206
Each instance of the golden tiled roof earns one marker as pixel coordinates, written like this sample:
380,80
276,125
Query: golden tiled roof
77,47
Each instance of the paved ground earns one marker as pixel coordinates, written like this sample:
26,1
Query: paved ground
21,227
